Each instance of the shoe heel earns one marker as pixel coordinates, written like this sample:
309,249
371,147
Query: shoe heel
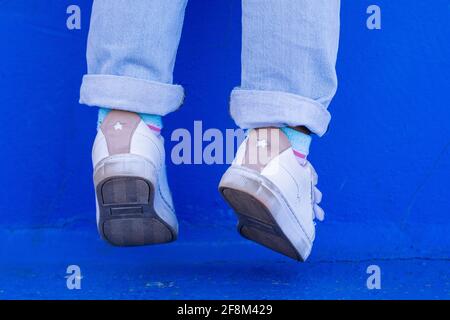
126,213
255,222
129,211
256,207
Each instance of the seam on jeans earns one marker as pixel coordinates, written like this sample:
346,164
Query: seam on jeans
312,111
118,77
170,96
240,91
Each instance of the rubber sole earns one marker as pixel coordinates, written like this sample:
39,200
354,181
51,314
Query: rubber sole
264,215
127,216
257,224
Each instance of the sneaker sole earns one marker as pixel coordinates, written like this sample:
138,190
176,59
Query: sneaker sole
126,207
262,216
127,216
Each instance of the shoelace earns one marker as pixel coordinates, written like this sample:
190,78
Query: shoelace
318,212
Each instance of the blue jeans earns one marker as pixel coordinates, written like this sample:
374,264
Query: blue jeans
289,50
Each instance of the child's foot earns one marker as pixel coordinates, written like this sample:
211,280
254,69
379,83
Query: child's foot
134,204
273,194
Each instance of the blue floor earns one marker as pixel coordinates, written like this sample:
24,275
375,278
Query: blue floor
215,263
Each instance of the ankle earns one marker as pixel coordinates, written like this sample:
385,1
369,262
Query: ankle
301,129
300,142
154,122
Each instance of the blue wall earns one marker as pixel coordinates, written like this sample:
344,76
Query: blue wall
384,161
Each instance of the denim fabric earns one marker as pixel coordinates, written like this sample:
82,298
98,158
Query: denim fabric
289,50
131,53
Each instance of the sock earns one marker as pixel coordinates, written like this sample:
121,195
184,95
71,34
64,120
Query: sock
154,122
300,143
102,113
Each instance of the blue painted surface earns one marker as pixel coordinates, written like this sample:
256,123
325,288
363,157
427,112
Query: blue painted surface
384,165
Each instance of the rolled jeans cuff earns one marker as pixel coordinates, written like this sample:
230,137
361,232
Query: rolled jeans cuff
131,94
258,108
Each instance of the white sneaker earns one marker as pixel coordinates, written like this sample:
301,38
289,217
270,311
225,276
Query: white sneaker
273,195
134,204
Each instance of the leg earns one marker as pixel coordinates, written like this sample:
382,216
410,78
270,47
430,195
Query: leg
288,80
131,53
289,50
